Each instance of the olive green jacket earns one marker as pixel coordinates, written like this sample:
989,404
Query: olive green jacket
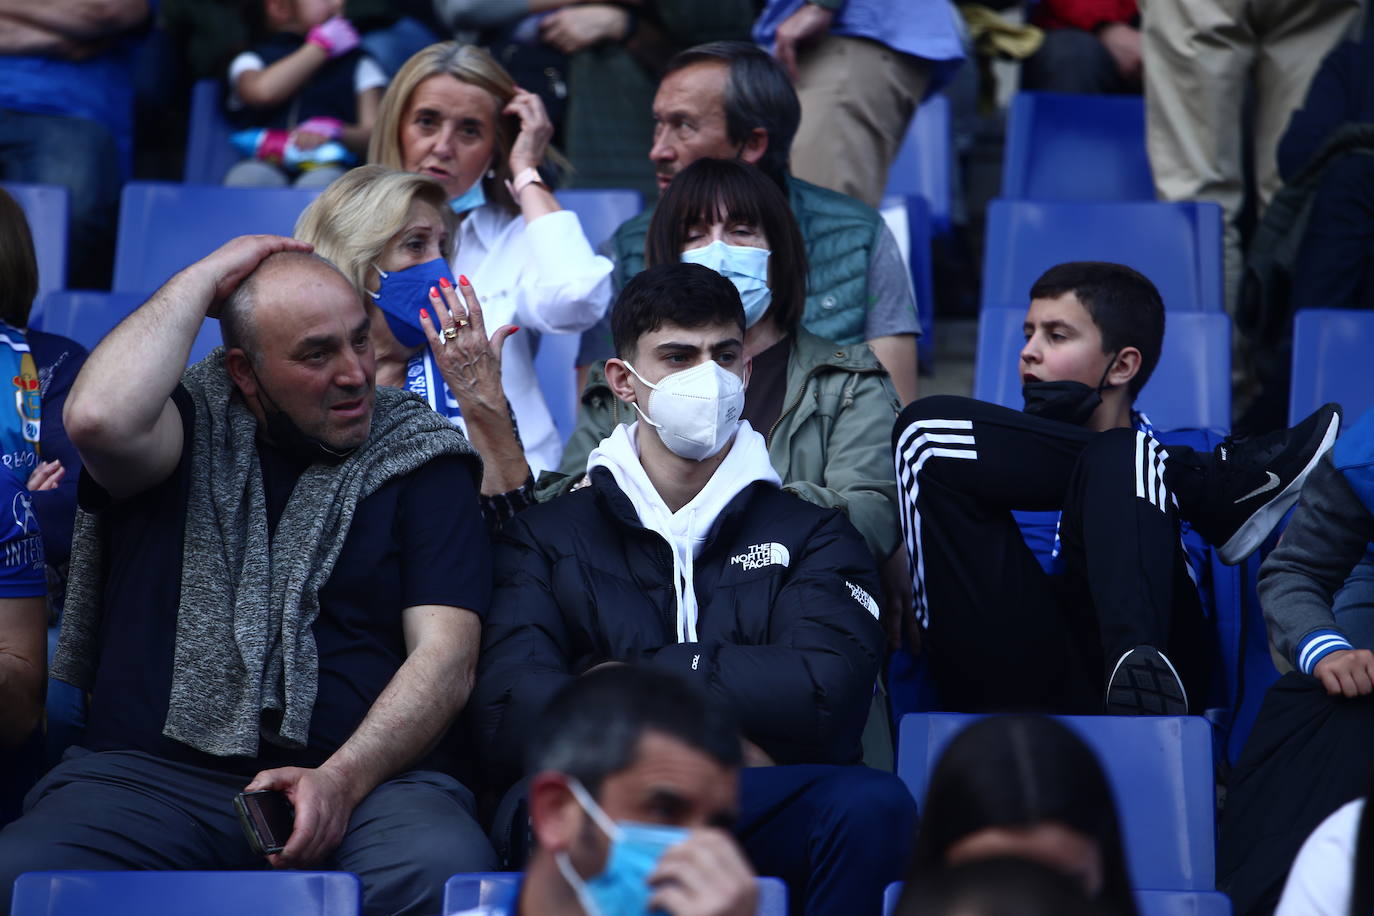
832,444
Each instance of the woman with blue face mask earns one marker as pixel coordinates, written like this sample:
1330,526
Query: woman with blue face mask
391,233
826,410
453,114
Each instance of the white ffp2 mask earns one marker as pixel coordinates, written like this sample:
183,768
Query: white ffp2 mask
696,411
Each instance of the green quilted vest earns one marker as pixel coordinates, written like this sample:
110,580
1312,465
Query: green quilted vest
839,232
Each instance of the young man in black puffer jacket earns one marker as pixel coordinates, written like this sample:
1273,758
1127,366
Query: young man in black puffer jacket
684,553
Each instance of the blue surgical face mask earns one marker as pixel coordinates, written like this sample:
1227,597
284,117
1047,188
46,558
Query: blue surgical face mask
622,887
402,293
470,199
742,265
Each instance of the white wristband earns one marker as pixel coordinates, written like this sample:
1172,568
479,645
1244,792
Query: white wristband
526,178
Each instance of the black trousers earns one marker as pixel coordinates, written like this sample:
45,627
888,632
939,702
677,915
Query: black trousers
1000,632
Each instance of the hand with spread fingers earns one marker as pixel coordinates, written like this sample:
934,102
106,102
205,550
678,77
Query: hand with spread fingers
470,363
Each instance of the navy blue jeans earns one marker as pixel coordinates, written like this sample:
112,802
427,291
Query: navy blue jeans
80,155
130,810
836,835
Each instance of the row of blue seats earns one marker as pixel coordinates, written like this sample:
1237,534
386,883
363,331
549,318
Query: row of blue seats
340,894
262,893
1160,770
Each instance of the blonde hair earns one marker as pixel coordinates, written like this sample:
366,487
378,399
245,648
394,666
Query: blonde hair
355,217
467,64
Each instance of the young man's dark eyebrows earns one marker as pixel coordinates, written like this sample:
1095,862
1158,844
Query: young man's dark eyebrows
732,343
673,346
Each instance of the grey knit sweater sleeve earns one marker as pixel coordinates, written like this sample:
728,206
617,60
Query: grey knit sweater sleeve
1326,537
480,14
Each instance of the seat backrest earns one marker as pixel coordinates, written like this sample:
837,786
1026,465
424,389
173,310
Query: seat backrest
1189,389
1067,146
164,227
47,207
908,218
1151,903
469,891
1159,768
208,153
205,893
86,317
923,163
1330,347
600,212
1183,903
1176,245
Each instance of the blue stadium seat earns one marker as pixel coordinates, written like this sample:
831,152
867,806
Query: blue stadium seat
163,227
1330,347
911,216
924,162
1064,146
1176,245
86,317
601,212
208,153
1151,903
173,893
469,891
47,207
1190,388
1160,770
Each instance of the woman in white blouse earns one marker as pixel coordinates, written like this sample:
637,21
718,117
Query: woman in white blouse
452,113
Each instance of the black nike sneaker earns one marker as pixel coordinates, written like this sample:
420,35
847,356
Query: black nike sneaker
1252,482
1144,683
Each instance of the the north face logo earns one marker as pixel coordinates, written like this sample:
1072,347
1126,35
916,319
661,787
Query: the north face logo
863,598
761,555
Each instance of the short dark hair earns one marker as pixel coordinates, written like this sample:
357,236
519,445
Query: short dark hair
687,295
18,265
1019,771
708,187
758,93
1122,302
592,728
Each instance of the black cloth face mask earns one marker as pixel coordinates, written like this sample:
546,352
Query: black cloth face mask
1065,401
286,435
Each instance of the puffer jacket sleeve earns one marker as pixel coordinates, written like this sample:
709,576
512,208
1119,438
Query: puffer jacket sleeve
859,477
523,662
804,695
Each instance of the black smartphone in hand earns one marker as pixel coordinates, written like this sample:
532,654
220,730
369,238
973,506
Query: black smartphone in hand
267,818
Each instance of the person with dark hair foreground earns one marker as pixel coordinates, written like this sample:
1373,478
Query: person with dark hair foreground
684,553
1115,624
634,785
1003,886
278,580
1024,786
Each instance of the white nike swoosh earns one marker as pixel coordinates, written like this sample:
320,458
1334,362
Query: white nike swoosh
1264,488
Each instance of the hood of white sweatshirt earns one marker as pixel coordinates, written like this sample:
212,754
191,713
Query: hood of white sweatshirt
686,529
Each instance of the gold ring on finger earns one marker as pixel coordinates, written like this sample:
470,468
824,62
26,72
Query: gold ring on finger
450,333
459,323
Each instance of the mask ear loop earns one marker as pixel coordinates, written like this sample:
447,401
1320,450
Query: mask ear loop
1102,382
377,296
642,415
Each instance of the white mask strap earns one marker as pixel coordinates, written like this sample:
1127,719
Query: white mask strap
652,387
594,811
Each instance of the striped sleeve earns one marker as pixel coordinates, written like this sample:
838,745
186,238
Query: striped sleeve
1317,645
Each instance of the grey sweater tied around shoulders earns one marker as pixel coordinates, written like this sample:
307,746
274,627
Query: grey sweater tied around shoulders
246,665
